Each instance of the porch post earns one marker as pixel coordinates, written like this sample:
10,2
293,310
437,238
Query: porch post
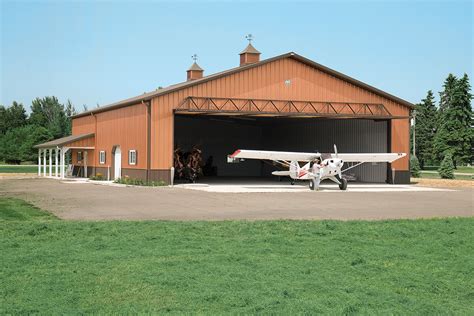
50,162
45,153
62,163
56,162
85,163
39,162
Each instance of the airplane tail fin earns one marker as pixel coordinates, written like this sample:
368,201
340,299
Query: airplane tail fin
294,169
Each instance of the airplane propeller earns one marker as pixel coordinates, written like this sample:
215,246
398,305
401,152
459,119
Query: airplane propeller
335,150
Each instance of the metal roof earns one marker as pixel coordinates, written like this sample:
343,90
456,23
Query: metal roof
250,50
63,141
150,95
195,67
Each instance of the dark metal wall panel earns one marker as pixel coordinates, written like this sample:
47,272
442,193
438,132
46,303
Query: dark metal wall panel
219,137
350,136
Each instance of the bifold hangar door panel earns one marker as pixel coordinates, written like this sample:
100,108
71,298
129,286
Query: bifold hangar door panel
219,136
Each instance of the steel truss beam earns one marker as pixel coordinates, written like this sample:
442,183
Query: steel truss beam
281,108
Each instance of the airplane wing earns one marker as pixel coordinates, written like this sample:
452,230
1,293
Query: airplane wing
271,155
281,173
382,157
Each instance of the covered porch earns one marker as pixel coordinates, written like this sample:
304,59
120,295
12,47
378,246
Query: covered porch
52,155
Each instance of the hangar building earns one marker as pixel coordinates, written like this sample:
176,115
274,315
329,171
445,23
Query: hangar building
286,102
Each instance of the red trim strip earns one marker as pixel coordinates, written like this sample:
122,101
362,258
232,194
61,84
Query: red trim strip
235,153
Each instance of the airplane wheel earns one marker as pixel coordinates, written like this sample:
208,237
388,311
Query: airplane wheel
292,182
311,185
343,185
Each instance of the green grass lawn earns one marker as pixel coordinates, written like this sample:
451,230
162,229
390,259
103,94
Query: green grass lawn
50,266
430,175
465,169
18,169
461,169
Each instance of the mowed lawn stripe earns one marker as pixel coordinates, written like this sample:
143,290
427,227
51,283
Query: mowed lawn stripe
19,169
51,266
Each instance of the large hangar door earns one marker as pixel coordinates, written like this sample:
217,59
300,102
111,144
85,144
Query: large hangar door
219,136
350,136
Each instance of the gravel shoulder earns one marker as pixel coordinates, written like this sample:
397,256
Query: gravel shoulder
442,183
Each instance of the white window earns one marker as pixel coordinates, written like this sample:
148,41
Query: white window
132,157
102,157
79,156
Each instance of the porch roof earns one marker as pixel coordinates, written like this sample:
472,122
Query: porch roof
60,142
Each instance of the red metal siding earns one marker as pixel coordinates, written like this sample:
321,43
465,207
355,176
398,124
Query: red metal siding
268,82
125,127
83,125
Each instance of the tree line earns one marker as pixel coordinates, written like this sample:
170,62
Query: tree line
19,132
445,131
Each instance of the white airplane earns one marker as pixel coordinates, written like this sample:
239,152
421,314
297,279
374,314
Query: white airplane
317,166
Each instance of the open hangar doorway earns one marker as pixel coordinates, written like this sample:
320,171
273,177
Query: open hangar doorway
218,136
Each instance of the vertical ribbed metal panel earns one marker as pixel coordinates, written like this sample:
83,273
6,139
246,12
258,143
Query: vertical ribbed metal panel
350,136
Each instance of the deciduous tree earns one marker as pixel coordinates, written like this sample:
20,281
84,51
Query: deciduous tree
17,144
12,117
50,114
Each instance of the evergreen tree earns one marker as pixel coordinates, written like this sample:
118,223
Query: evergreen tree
3,120
446,96
446,170
425,128
464,114
414,167
454,132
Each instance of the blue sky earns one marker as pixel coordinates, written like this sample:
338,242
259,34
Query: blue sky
100,52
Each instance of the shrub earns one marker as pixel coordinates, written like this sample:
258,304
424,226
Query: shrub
446,169
98,177
158,183
131,181
414,167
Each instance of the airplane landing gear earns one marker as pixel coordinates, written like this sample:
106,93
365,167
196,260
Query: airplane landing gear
311,185
292,181
343,185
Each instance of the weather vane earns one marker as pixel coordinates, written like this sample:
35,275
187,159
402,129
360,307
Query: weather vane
194,57
249,38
